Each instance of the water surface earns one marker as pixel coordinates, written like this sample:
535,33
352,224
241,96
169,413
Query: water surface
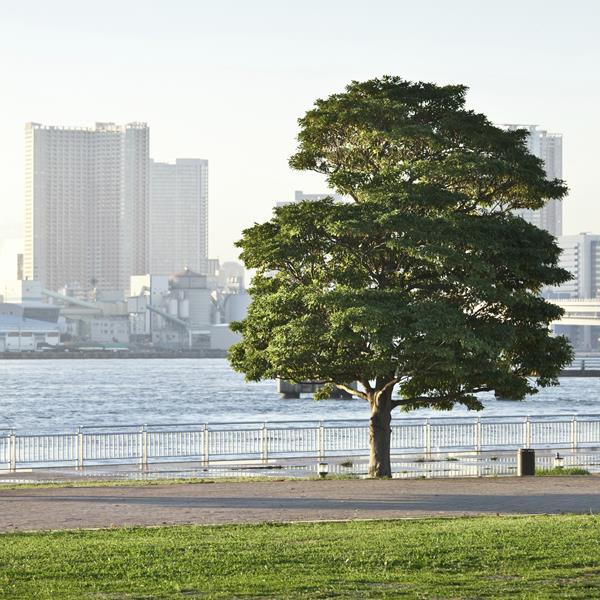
59,395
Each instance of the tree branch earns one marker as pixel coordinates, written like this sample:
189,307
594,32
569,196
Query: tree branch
351,391
365,383
390,384
429,399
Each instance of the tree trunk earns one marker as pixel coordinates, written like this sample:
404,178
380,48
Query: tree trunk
380,433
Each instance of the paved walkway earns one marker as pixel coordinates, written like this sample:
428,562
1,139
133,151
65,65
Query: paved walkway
60,508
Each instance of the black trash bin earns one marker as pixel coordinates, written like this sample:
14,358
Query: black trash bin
525,462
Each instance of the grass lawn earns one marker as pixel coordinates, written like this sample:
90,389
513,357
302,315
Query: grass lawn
561,472
489,557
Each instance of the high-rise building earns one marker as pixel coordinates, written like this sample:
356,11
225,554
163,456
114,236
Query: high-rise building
178,216
581,257
548,147
86,204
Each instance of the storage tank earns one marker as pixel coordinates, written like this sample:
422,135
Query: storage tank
184,308
173,307
236,306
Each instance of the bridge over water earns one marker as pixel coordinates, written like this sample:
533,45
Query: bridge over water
583,313
579,311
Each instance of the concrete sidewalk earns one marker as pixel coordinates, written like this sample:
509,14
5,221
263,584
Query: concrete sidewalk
299,500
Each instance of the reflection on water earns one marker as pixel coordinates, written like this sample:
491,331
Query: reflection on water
54,395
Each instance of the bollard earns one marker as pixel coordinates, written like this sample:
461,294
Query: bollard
525,462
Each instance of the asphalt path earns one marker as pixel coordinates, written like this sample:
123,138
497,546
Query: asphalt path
298,500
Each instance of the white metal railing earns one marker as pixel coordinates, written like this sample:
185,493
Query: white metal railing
584,364
262,442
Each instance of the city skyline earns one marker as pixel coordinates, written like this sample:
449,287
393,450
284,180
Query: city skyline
99,210
173,205
220,92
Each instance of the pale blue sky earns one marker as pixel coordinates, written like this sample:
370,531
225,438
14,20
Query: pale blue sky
227,80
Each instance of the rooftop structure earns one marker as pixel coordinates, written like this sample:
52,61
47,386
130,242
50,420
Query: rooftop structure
300,196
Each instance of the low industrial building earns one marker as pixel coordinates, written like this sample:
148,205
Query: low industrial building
113,330
20,334
185,311
222,338
173,313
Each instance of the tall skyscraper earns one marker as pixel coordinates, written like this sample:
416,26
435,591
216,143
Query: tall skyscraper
86,204
178,216
548,147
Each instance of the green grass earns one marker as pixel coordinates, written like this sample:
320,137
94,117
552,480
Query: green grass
491,557
561,472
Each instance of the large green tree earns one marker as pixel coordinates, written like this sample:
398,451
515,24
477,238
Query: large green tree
424,288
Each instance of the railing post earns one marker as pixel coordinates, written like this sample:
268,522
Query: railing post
206,443
79,448
427,436
264,445
143,447
12,451
527,433
478,435
574,433
321,441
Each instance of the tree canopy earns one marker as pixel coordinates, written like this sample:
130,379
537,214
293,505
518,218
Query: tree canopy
426,281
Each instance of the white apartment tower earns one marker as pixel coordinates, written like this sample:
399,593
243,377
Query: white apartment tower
548,147
178,233
581,257
86,204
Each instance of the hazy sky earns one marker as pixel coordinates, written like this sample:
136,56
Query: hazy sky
227,80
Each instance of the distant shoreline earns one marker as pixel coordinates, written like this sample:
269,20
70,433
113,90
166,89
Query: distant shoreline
109,354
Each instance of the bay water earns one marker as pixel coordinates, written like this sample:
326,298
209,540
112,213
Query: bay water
60,395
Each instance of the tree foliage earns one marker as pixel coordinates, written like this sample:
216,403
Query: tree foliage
426,281
383,136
